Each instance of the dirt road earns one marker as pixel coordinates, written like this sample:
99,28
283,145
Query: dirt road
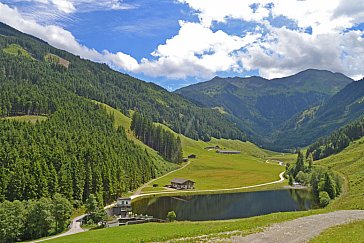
301,229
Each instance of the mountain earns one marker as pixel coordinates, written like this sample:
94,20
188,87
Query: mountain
263,107
98,82
344,107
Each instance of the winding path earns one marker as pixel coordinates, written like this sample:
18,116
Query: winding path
302,229
213,190
136,195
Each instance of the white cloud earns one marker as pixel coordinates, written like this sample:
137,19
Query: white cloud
199,51
195,51
63,39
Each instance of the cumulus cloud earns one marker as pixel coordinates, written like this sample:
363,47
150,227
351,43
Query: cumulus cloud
200,50
63,39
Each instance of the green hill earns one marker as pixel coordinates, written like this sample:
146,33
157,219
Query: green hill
261,106
98,82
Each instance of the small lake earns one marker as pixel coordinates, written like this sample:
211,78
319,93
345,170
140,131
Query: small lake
225,206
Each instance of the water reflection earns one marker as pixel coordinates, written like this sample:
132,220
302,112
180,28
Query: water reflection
225,206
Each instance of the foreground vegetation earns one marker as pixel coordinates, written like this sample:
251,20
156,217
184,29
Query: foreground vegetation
352,232
25,220
175,230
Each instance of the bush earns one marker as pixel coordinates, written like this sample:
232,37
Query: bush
324,199
302,178
171,216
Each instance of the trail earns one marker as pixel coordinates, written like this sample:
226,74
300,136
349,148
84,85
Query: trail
301,229
138,192
137,195
213,190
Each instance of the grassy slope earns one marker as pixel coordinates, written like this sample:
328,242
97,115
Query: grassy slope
211,170
147,232
15,49
350,163
124,121
31,119
353,232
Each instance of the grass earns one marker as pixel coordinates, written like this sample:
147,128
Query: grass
352,232
122,120
168,231
211,170
14,49
27,118
56,60
350,163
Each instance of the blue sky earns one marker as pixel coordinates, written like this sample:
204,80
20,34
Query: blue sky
179,42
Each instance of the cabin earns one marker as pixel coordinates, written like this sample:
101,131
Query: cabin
121,209
179,183
227,151
192,156
124,203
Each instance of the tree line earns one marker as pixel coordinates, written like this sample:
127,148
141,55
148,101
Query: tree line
31,219
325,184
157,138
337,141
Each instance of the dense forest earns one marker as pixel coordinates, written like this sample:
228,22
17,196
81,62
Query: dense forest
98,82
157,138
337,141
75,152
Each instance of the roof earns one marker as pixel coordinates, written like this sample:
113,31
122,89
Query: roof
124,198
228,151
180,181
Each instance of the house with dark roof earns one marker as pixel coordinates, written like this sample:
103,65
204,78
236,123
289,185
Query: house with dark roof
179,183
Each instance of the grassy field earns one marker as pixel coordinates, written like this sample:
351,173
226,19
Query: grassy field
31,119
16,50
186,230
353,232
211,170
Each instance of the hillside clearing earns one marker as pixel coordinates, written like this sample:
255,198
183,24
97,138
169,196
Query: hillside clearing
27,118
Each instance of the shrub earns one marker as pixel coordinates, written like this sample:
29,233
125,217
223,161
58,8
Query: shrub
171,216
324,199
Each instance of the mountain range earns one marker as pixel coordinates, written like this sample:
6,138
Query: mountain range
283,113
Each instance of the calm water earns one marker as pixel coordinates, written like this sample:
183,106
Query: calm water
225,206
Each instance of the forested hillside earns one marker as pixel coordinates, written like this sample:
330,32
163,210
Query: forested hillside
261,106
341,109
337,141
99,82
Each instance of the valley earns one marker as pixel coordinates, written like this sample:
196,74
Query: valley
227,155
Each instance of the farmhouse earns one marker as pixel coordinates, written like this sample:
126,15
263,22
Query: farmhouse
227,152
179,183
121,209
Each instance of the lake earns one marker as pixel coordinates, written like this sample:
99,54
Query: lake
225,206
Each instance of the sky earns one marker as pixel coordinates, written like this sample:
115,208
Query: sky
175,43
